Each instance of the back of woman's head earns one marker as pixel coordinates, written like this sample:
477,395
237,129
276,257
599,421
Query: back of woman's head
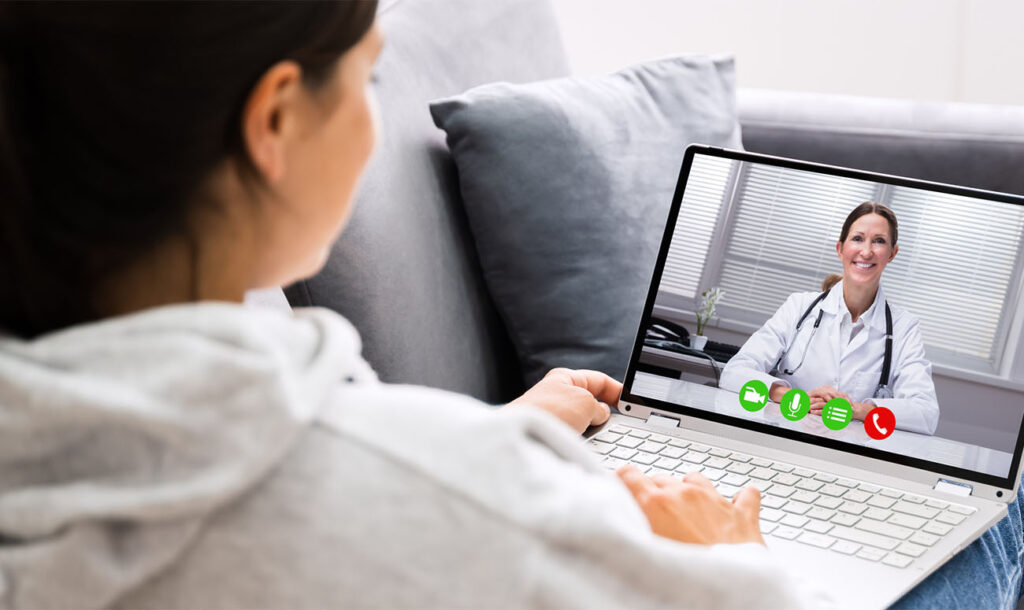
111,116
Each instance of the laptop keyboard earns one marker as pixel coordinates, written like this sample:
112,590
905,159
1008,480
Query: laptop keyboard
812,507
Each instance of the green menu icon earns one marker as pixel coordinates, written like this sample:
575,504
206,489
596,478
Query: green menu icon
837,414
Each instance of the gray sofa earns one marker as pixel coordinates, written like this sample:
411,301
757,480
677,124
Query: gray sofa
405,272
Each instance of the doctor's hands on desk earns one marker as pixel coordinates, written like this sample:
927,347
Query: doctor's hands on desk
580,398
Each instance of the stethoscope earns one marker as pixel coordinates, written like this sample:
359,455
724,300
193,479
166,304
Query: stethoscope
882,390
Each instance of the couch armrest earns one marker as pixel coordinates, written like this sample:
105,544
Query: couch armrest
973,145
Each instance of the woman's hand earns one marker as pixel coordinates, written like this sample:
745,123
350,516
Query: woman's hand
692,510
825,393
578,397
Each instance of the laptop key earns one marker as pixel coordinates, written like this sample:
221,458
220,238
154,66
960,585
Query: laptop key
613,463
602,448
712,473
871,553
912,522
727,490
909,548
770,514
608,437
651,446
695,457
846,547
639,433
667,463
623,453
862,537
783,491
677,442
809,484
803,472
924,539
819,540
672,452
771,501
735,479
829,503
914,499
897,560
818,527
618,429
685,467
786,532
936,504
886,529
786,479
631,442
717,462
739,468
659,438
963,510
845,519
805,496
938,529
856,495
782,467
832,490
825,477
644,458
846,483
818,512
918,510
763,473
740,457
881,502
794,520
854,508
699,448
767,527
891,493
717,452
797,508
868,487
759,485
879,514
761,462
950,518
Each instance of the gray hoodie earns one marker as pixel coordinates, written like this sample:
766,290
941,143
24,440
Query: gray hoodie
215,456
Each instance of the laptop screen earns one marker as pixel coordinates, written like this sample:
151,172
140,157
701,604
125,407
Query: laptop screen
857,311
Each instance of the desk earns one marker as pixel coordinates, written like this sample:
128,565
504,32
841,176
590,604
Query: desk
923,446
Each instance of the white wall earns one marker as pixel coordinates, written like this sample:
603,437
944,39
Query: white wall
949,50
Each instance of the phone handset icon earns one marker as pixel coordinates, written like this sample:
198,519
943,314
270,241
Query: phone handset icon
879,423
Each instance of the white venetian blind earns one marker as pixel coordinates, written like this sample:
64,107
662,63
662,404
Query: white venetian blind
956,263
706,187
784,235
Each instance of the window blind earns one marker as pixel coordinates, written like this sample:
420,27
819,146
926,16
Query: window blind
706,187
956,264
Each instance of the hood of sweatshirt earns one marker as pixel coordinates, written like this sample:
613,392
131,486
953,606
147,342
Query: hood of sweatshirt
119,438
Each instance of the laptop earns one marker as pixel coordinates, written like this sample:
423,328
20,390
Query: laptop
867,504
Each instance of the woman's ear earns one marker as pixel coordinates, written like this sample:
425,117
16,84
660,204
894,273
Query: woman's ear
268,117
839,250
895,249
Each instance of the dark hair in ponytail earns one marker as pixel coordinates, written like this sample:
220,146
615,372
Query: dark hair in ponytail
111,116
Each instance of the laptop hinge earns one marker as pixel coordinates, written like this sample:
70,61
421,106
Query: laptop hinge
954,487
663,421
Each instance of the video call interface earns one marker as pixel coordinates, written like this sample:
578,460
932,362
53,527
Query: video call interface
781,286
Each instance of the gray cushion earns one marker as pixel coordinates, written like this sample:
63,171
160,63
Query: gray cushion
567,184
404,271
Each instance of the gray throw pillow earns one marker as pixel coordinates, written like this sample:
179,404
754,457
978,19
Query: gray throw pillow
567,185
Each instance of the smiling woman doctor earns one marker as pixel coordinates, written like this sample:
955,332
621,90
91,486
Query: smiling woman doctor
848,341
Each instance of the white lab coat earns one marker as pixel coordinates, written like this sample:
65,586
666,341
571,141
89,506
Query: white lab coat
853,367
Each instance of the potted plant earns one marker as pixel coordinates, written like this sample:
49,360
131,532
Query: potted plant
706,311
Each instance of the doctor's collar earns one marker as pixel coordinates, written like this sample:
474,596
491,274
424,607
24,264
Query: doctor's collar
874,316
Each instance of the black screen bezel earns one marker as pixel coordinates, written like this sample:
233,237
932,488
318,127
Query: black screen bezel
1007,482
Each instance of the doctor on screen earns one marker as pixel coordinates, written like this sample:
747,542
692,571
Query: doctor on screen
833,344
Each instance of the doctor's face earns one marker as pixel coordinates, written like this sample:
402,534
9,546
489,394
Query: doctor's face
867,250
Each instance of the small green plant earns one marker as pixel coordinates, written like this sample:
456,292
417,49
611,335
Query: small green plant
708,304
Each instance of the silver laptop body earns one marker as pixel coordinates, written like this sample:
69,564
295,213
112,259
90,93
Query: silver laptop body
866,518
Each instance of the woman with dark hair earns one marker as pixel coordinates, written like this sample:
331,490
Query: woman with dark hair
163,446
866,351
